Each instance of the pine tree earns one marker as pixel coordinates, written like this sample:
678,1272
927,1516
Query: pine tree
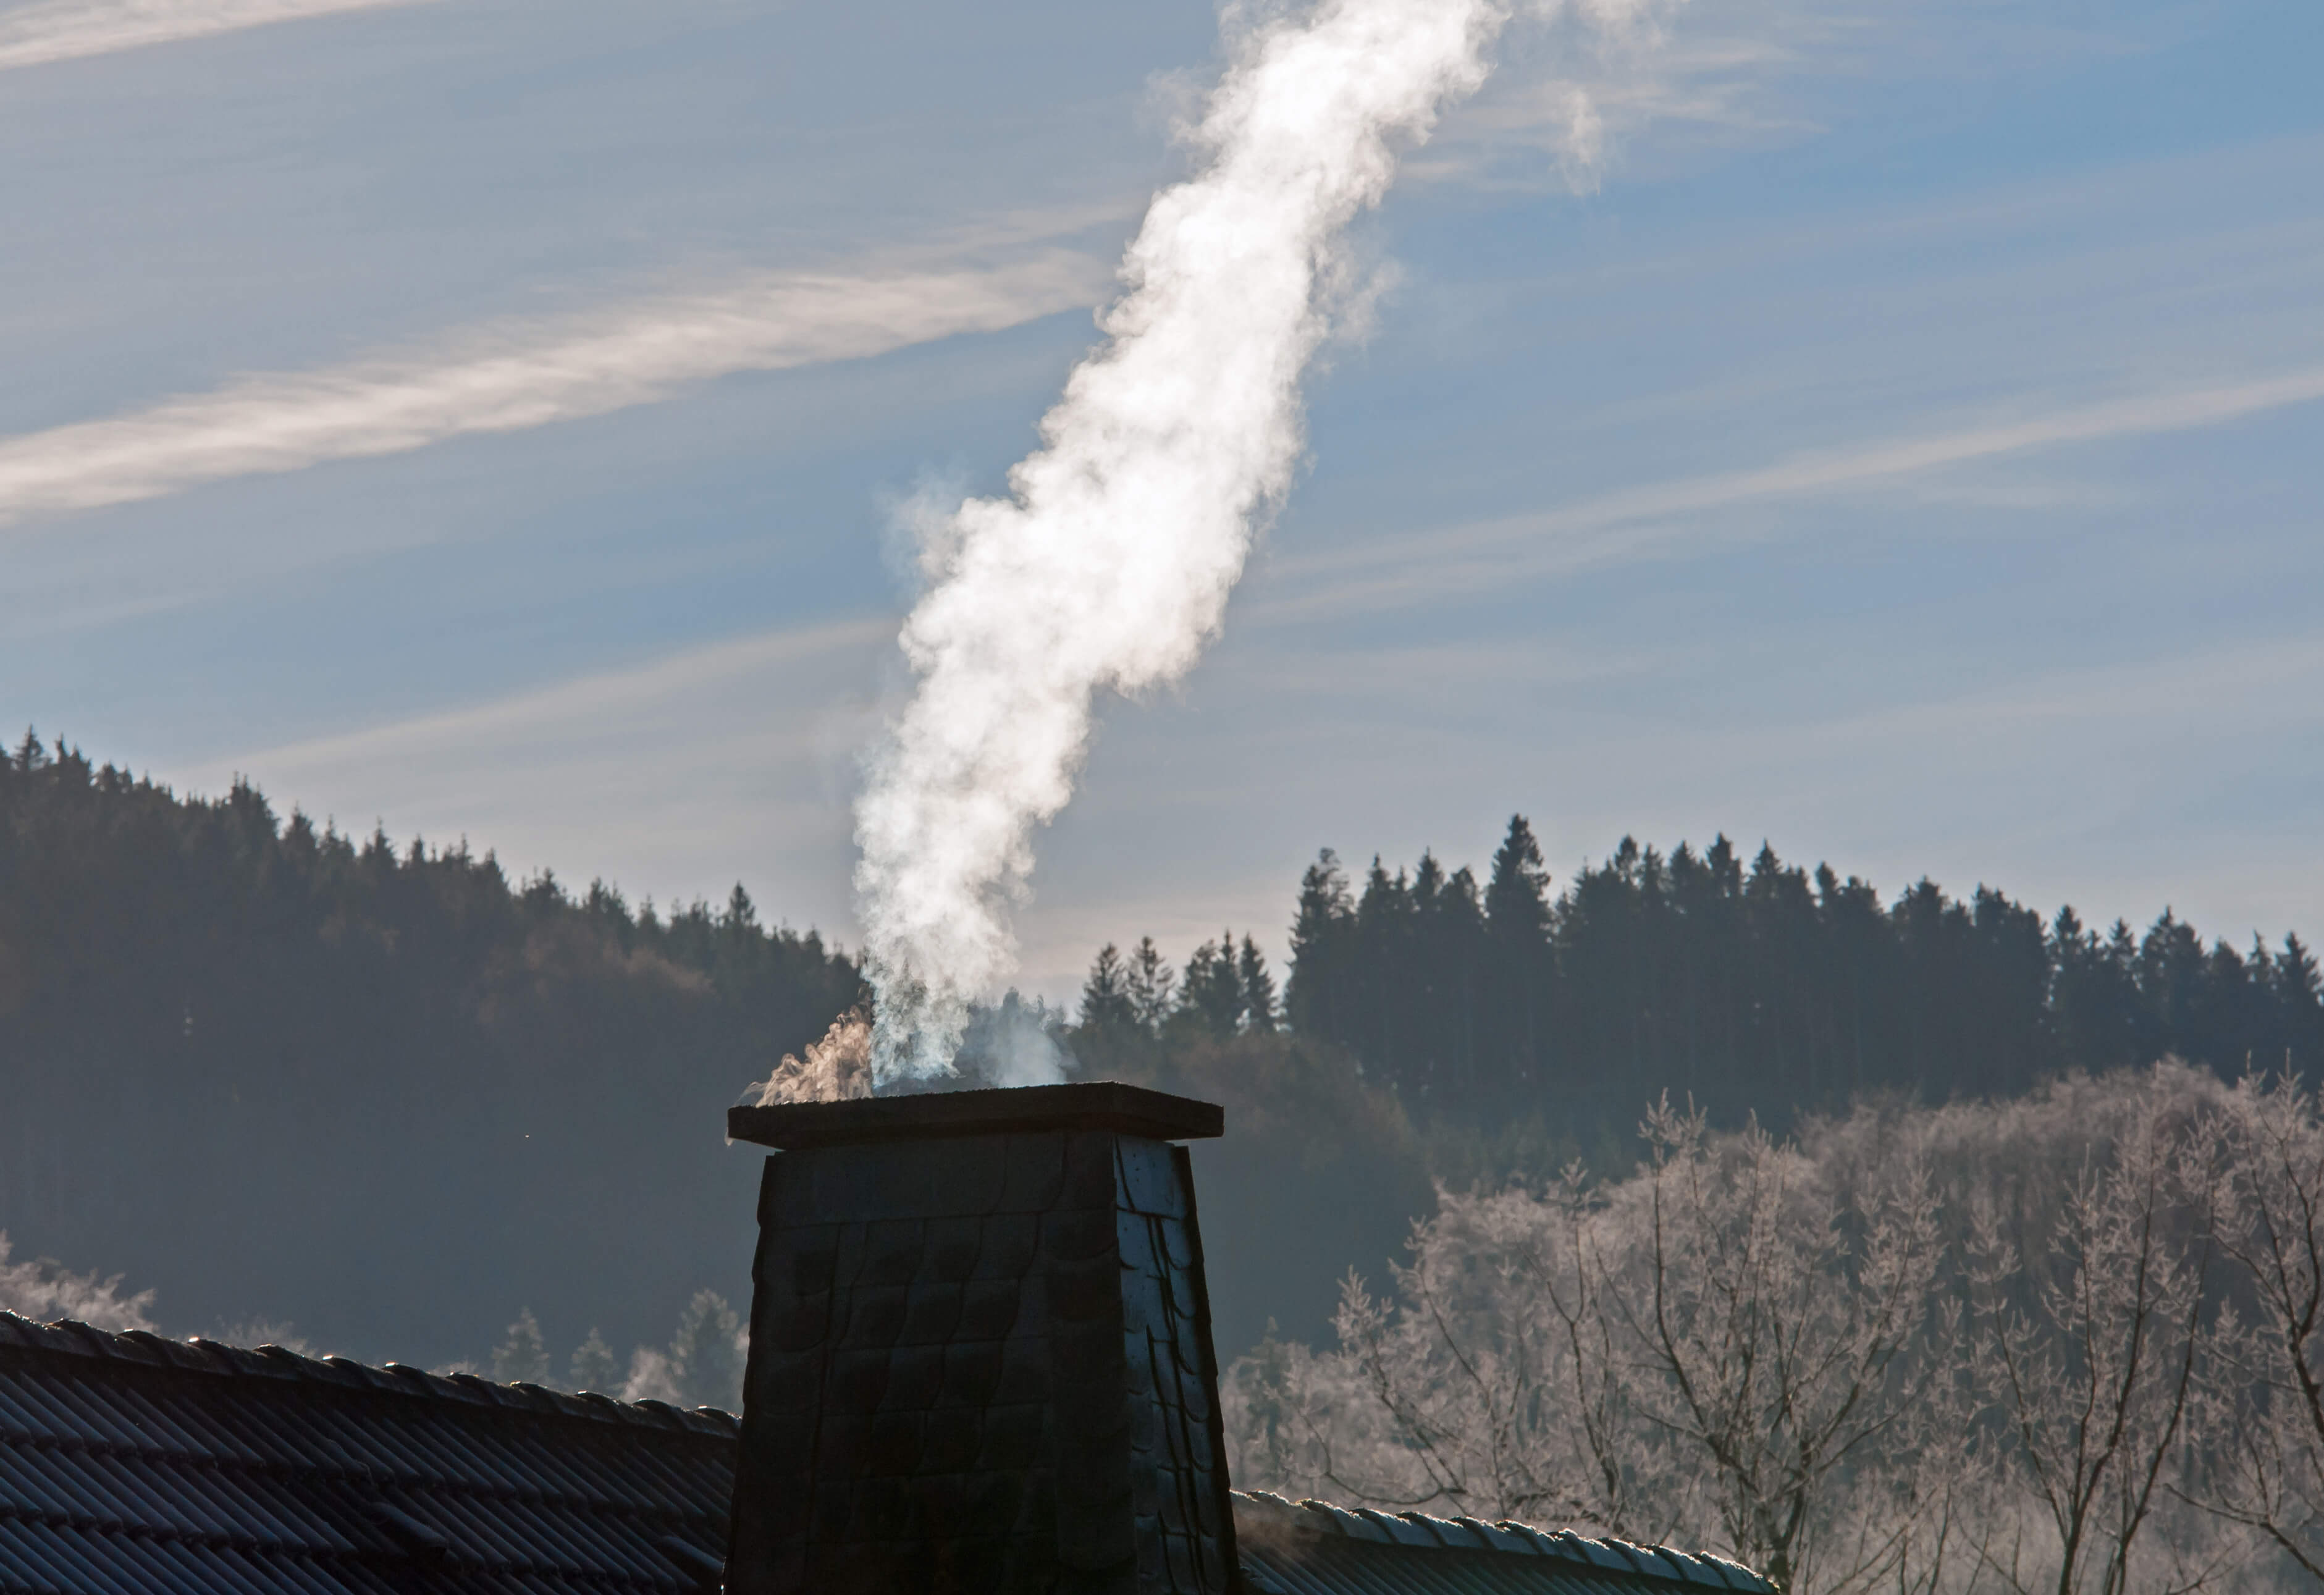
1210,991
1513,999
1382,989
593,1367
523,1357
1257,985
2298,988
705,1355
1315,998
1153,987
1108,1008
742,914
1454,932
2297,982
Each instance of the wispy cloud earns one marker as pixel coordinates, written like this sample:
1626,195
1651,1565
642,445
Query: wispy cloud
679,774
674,774
584,714
1702,76
1567,117
1664,520
62,29
514,376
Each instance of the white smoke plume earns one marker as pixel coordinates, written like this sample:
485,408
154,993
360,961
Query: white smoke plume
62,29
834,1069
1108,565
44,1290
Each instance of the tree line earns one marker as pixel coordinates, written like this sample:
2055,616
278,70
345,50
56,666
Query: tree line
1762,987
411,1094
275,1070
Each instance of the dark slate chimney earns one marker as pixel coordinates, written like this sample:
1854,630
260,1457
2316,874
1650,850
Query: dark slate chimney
981,1351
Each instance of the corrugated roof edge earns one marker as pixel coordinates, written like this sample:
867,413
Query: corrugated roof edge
69,1337
1468,1533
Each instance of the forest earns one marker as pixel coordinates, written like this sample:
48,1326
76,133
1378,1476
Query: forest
382,1098
269,1080
1765,989
2068,1342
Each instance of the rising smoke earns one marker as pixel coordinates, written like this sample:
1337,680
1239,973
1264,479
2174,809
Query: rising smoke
1109,563
833,1070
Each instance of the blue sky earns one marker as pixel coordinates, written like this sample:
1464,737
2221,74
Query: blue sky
1902,443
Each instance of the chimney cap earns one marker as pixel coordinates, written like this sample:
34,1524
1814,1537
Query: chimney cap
1094,1105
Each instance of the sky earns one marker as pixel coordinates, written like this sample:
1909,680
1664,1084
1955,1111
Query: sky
1892,430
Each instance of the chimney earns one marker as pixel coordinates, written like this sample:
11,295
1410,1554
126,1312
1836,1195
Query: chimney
981,1354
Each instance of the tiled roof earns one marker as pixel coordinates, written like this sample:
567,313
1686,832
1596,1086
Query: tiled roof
1314,1548
135,1465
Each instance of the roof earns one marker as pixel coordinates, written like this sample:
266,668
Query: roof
1079,1104
1314,1548
134,1465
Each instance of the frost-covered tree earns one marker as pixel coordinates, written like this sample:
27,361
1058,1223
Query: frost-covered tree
706,1354
593,1367
2090,1346
1977,1347
1723,1348
2263,1419
521,1356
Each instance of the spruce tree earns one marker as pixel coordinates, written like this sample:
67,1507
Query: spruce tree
593,1367
1383,997
1316,997
1258,988
1514,979
1210,991
1455,932
1108,1007
1153,987
523,1357
2297,982
705,1355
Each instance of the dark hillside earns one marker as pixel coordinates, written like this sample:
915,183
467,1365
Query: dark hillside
391,1097
279,1073
1432,1025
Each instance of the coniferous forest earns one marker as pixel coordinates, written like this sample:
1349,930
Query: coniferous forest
1758,989
380,1089
1765,986
274,1072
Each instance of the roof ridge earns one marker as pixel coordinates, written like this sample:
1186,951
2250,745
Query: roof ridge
70,1337
1508,1537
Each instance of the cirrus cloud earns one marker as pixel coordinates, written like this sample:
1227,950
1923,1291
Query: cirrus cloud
520,375
65,30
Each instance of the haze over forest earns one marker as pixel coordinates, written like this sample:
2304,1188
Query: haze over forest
380,1096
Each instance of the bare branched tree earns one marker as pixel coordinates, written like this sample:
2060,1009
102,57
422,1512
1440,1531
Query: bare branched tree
1788,1340
1722,1351
1499,1366
2263,1418
1981,1347
2091,1341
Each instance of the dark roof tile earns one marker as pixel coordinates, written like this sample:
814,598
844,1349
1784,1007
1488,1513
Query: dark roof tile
1315,1548
143,1466
148,1466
